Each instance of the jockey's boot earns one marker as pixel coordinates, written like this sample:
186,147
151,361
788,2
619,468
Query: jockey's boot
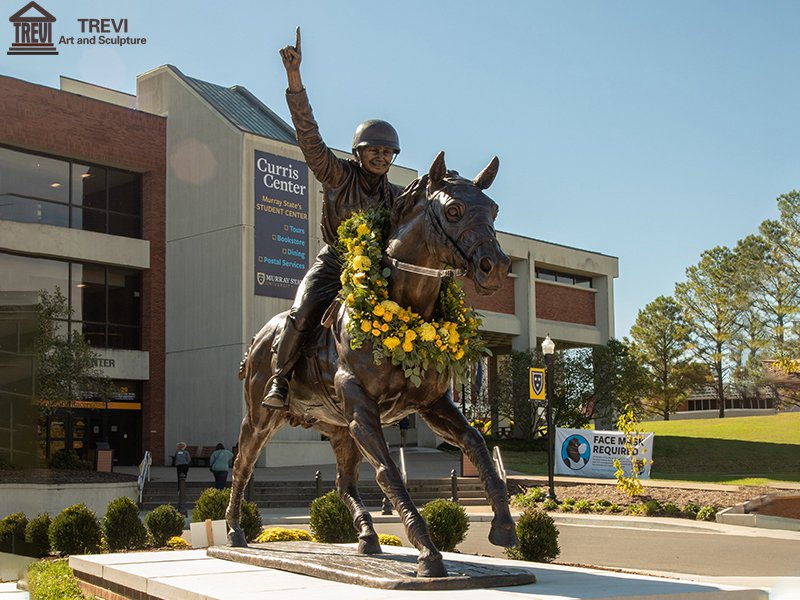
277,396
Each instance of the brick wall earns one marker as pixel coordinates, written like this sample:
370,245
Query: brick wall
66,125
564,303
502,301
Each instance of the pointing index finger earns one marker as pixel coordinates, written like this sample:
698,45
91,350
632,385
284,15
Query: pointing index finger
297,44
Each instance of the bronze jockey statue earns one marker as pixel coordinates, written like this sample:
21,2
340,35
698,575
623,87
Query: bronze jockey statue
348,186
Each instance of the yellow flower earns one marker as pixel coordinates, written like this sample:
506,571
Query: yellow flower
454,337
351,300
391,306
459,354
362,229
410,335
384,328
358,250
427,332
391,342
366,326
376,324
407,346
387,316
362,263
376,332
358,278
378,310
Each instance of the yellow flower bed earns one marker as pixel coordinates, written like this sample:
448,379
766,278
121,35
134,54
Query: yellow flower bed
451,342
177,543
282,534
386,539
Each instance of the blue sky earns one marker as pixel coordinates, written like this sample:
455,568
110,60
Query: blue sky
647,131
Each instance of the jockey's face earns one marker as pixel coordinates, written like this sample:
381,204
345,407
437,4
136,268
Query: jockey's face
375,160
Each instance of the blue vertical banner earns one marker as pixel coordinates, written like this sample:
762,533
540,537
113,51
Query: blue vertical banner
281,224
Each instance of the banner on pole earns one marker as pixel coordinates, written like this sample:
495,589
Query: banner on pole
536,382
589,453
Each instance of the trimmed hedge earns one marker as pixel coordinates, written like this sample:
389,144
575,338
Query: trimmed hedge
213,503
121,526
162,523
538,537
36,534
75,531
447,522
330,521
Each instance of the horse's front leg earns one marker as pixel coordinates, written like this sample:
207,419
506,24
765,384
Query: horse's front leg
348,458
444,418
365,427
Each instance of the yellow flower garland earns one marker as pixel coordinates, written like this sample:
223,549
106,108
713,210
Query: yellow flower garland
451,342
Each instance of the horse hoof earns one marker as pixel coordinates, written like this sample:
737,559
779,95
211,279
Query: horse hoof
236,538
503,534
369,544
432,567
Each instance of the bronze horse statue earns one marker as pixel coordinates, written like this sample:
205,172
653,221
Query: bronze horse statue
440,219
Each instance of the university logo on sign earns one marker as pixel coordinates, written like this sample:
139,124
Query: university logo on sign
537,384
33,31
261,278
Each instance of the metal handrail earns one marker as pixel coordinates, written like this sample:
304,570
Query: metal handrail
403,465
144,473
498,463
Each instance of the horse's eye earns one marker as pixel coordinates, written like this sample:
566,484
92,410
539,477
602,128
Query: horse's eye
453,212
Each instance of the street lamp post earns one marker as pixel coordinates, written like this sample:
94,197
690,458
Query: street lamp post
548,347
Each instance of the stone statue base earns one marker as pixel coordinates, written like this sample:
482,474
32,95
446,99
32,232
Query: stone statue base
387,571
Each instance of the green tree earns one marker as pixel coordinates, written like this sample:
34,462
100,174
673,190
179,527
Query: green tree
619,379
712,299
65,363
661,340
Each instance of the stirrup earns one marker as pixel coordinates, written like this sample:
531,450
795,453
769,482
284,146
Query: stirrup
277,397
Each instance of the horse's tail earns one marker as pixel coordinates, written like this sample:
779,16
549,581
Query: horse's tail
244,363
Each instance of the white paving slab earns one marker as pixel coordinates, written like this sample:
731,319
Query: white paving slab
9,591
193,576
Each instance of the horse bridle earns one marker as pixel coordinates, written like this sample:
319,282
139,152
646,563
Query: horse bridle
436,223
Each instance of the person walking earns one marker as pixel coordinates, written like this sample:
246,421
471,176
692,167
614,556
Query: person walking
219,463
182,460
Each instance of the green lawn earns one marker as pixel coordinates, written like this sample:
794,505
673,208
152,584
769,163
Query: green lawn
740,450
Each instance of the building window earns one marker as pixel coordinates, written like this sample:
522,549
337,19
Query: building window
565,278
65,193
105,301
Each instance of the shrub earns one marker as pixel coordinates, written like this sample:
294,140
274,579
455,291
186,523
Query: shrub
13,526
569,501
447,522
567,507
601,505
529,498
690,510
330,521
75,531
582,506
671,510
707,513
212,504
122,528
53,580
651,507
636,510
68,459
162,523
538,537
177,543
615,508
282,534
550,504
36,534
384,539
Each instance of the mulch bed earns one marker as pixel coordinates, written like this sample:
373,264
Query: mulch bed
60,476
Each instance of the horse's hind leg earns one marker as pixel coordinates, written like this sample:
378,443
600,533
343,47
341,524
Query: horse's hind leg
446,420
258,426
348,458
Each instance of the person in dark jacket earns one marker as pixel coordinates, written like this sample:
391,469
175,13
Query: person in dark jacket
348,186
182,460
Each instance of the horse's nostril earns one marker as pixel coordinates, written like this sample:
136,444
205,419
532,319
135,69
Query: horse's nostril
486,265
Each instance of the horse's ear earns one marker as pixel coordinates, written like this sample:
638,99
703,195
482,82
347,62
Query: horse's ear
486,177
437,172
